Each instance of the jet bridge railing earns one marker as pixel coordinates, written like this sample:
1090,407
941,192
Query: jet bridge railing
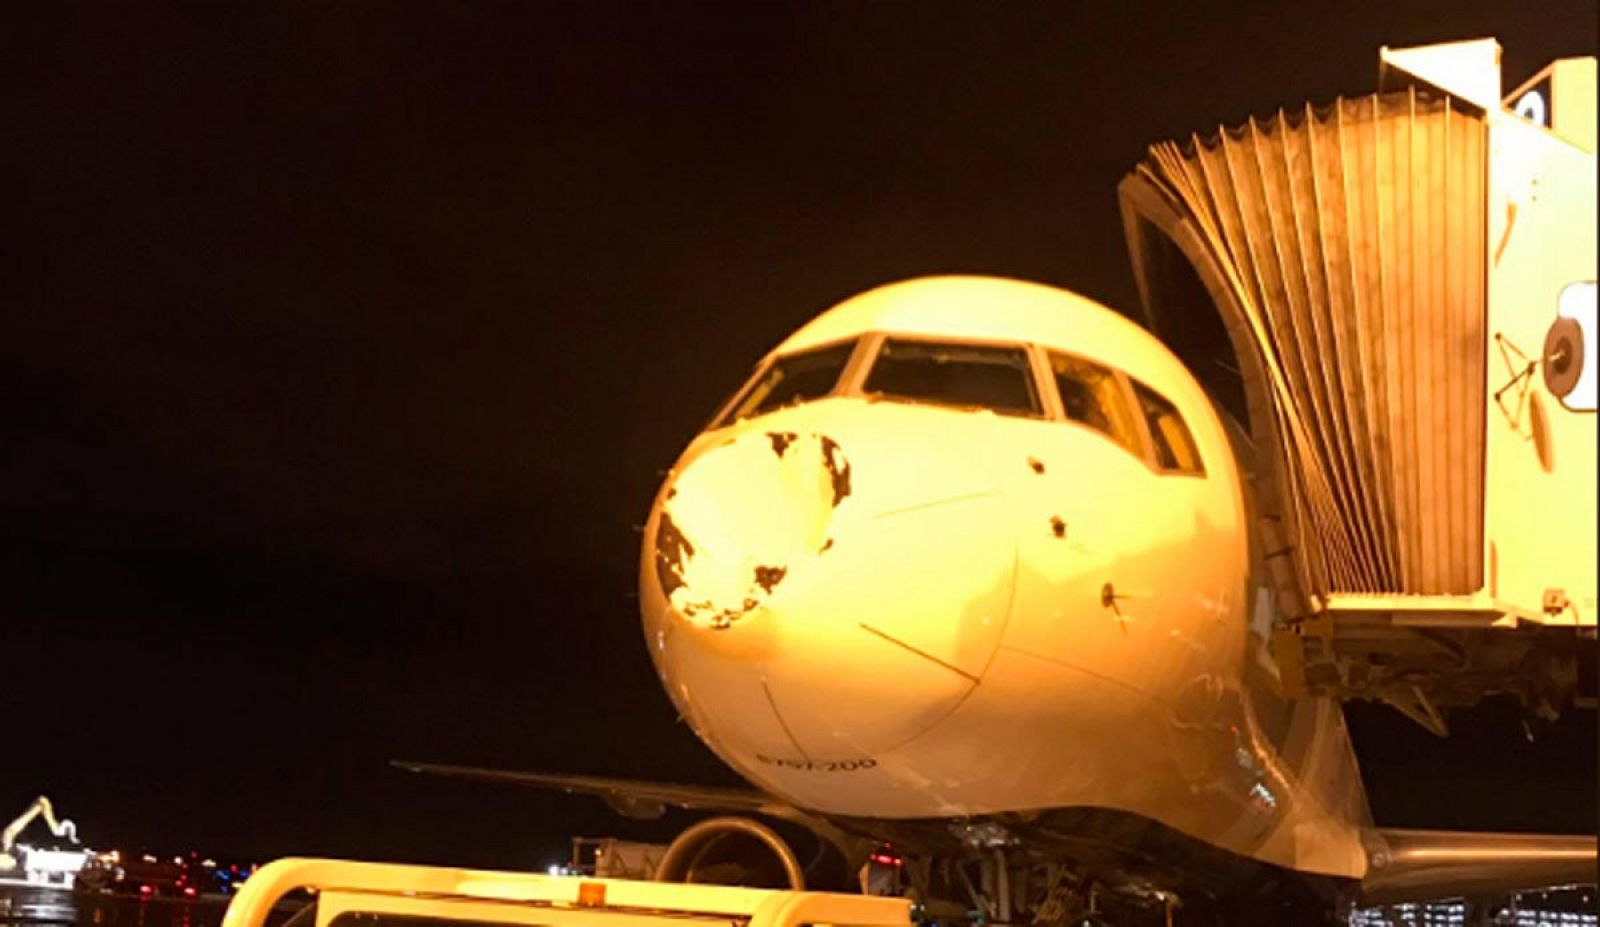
363,894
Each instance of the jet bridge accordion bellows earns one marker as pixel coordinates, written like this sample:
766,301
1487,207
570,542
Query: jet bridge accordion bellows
1344,249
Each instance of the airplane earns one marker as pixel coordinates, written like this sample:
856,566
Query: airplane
966,569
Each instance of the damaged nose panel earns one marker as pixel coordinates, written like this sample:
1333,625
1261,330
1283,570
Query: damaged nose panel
744,517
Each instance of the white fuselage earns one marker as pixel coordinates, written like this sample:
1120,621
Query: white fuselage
877,606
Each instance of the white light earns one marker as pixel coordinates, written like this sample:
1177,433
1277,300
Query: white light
1531,107
1577,302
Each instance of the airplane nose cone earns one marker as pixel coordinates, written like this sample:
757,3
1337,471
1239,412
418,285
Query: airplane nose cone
811,598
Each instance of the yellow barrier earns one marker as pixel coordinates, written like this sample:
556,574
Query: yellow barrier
375,892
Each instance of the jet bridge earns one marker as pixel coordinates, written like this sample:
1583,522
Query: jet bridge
1396,295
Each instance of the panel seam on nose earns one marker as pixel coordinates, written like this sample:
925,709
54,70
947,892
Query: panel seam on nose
767,688
933,503
921,653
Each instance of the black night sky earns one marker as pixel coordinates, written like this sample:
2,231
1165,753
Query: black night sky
344,345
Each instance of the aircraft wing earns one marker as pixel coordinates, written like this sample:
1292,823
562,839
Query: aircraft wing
1412,865
634,798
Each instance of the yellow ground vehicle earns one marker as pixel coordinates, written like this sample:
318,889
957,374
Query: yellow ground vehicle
386,895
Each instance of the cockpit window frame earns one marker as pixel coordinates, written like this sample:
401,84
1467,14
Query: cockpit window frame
1143,421
873,346
1145,453
1140,448
868,345
722,418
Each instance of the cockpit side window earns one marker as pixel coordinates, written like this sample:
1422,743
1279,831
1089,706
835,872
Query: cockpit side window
1175,448
993,377
791,380
1091,395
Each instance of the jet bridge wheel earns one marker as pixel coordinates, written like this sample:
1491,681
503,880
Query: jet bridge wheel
731,851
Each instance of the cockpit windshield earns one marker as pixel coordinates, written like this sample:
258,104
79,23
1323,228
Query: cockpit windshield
791,380
996,378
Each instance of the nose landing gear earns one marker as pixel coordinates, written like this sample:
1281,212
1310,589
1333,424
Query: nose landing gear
1002,891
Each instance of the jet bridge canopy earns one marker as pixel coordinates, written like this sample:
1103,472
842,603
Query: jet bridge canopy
1369,285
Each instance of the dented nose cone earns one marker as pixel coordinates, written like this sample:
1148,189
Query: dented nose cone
743,517
811,599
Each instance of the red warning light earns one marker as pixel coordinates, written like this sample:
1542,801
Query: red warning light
147,890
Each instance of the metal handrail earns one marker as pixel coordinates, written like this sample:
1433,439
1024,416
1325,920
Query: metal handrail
345,886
